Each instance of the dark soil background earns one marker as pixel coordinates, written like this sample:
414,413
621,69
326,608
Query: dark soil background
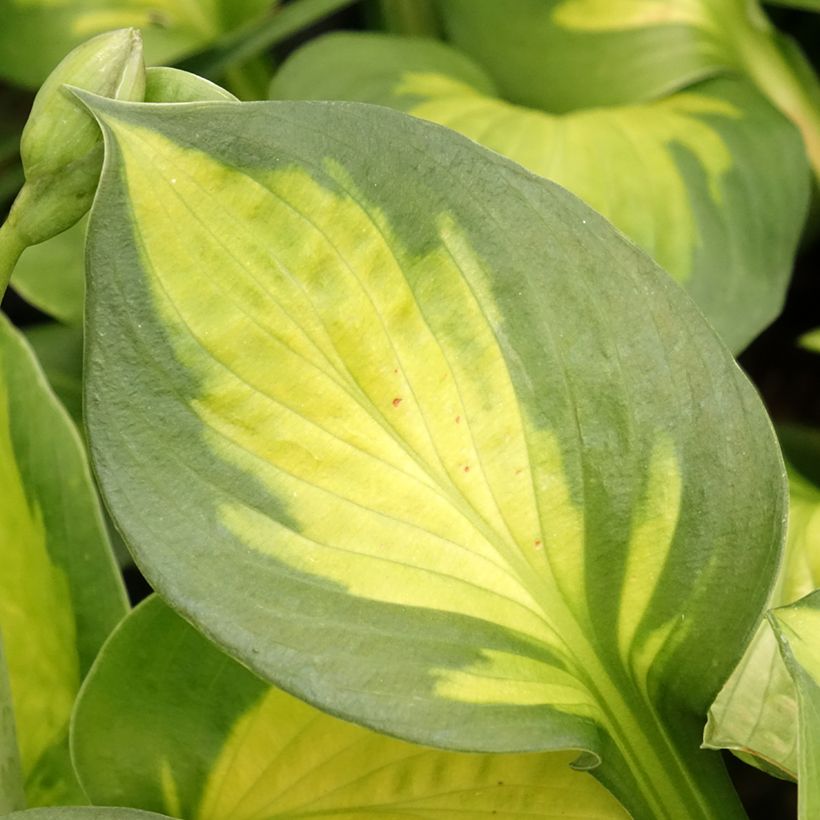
787,376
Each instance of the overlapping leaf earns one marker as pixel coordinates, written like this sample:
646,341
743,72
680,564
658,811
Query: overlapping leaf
756,713
420,437
798,632
36,34
692,179
167,722
60,593
563,55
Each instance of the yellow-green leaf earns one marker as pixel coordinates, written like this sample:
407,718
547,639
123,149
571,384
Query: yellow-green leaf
60,593
756,711
11,775
798,633
711,182
167,722
420,437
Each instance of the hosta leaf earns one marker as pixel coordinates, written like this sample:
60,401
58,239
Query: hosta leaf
85,813
60,593
59,350
756,712
11,775
418,436
36,34
564,55
167,722
691,178
798,629
51,275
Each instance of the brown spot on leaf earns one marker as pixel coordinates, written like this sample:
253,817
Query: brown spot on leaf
396,401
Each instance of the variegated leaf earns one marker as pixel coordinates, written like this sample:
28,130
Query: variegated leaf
60,593
712,182
420,437
167,722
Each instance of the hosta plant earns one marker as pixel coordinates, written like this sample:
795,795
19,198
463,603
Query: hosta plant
454,502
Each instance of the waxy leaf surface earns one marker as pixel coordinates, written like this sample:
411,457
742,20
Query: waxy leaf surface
423,439
60,594
692,178
798,632
756,711
169,723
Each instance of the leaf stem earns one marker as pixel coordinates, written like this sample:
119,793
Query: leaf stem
11,246
245,43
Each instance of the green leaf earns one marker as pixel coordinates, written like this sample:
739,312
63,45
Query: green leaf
167,722
11,776
36,34
439,441
59,350
51,275
565,55
84,813
60,593
756,711
797,628
691,178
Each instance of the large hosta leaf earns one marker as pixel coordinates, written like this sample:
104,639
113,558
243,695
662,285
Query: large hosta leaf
564,55
37,34
60,593
756,712
692,178
420,437
167,722
798,633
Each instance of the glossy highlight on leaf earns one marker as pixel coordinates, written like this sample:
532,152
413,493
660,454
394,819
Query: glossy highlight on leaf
692,178
167,722
417,464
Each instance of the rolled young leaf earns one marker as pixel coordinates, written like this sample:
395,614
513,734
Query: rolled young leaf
691,178
60,592
798,633
167,722
51,275
420,437
60,147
